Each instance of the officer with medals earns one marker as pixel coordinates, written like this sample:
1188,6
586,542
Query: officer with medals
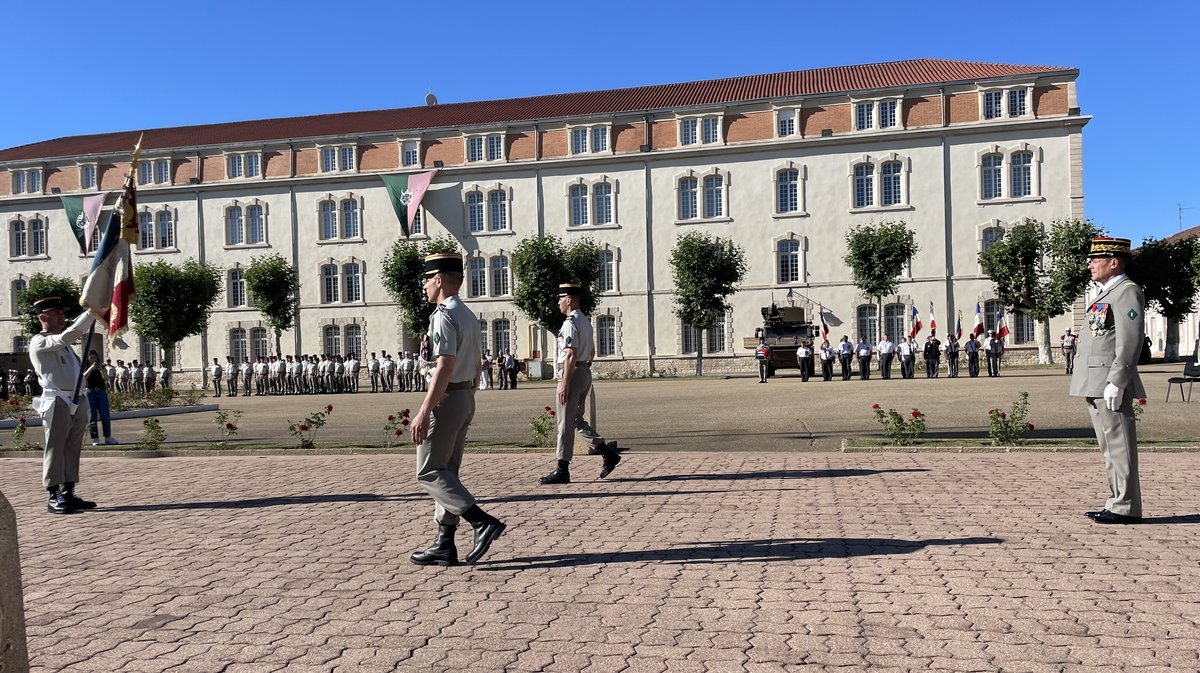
64,416
576,348
439,427
1109,382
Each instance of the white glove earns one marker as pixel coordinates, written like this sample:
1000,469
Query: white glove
1112,397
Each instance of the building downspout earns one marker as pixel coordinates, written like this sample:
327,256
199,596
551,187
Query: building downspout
200,253
947,213
295,264
650,349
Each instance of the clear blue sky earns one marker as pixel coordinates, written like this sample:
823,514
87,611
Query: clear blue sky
90,67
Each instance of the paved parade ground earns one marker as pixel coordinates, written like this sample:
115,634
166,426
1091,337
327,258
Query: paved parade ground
727,540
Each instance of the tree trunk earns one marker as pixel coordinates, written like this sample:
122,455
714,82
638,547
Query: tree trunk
1045,349
1171,348
701,335
278,349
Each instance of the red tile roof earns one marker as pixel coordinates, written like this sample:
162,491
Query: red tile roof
454,115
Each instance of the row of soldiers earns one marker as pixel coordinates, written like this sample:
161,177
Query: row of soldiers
315,374
135,378
15,384
906,351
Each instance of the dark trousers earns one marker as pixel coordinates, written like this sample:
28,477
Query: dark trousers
932,365
512,378
806,368
762,371
1069,359
845,360
952,363
993,363
827,369
864,367
972,364
885,364
906,366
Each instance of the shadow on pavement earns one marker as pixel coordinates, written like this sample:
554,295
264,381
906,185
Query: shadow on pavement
266,502
1179,518
767,474
553,495
742,551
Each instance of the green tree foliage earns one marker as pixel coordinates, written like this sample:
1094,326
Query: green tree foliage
1169,273
46,285
171,303
706,270
540,263
274,287
403,276
1041,272
876,255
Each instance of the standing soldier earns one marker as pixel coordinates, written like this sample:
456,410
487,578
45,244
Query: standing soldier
215,372
231,376
1069,342
1110,382
933,355
763,355
907,352
246,370
972,349
952,355
994,347
576,348
373,371
827,356
440,426
887,351
863,350
845,352
804,358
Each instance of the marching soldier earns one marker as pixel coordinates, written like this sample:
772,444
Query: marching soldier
1109,383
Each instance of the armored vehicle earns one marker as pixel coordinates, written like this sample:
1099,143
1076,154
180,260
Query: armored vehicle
784,327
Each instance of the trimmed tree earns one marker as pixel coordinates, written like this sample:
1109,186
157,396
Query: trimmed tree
403,276
706,270
274,286
46,285
171,303
540,263
1040,272
876,255
1168,273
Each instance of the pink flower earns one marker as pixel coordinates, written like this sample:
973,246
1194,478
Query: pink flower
874,406
303,427
399,432
329,408
1029,425
1003,415
991,411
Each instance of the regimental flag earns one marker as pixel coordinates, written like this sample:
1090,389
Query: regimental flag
83,214
1001,324
932,319
824,325
958,326
406,192
978,329
916,323
109,285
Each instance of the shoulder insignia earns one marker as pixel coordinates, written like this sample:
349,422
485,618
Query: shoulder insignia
437,338
1133,314
570,341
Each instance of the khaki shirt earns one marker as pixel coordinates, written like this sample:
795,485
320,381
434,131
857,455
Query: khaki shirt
576,333
58,366
454,330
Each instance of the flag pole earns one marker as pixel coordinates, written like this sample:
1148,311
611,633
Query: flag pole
87,347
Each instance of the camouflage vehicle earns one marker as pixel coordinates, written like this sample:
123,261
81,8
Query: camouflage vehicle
784,327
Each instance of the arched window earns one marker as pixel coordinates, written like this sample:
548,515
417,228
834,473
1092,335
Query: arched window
864,185
991,308
1021,183
145,231
237,287
329,284
602,203
20,344
256,228
166,230
889,174
498,207
150,351
579,205
990,236
789,261
714,196
17,243
501,335
350,228
237,345
868,322
687,198
606,336
329,223
331,340
37,238
500,279
787,196
478,277
716,335
893,322
353,282
991,177
258,342
16,288
483,336
608,271
475,211
354,340
235,233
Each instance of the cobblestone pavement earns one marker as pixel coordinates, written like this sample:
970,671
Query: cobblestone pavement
680,561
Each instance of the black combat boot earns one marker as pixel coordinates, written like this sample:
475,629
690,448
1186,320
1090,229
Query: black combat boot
58,503
611,458
76,502
442,553
560,475
487,529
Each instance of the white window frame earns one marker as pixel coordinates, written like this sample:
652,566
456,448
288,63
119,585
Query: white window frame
329,293
145,172
790,115
697,134
27,181
162,171
231,296
160,244
330,158
878,161
1006,190
339,217
701,203
405,146
801,190
1004,111
604,349
981,230
801,258
84,168
614,266
500,289
589,144
485,147
592,204
488,223
874,107
472,263
243,162
243,208
359,277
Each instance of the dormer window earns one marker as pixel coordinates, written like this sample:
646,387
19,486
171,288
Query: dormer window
589,139
485,147
700,130
243,165
785,123
876,115
1009,103
154,172
339,159
27,181
409,153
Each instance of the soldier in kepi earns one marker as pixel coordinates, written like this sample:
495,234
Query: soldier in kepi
1109,381
439,428
64,416
576,348
1069,342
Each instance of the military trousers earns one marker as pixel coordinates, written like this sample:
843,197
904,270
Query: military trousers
64,442
1116,433
570,416
440,456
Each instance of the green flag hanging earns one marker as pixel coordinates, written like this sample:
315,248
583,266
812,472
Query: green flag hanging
75,217
405,192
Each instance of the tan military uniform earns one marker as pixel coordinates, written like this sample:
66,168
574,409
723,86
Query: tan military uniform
577,334
64,421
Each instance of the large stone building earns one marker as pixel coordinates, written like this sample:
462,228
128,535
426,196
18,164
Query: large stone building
784,164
